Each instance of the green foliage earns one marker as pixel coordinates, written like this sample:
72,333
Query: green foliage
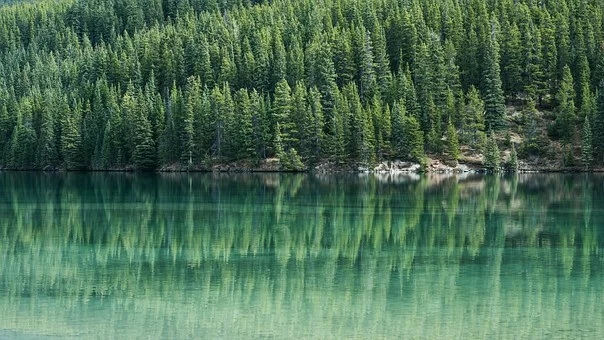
564,127
513,161
491,154
586,144
492,88
289,160
598,126
345,80
70,142
452,143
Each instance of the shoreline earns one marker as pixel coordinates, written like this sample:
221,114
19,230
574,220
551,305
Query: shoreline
435,166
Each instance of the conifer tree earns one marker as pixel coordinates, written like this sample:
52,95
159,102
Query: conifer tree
598,126
586,144
144,155
244,146
192,105
511,59
282,114
565,112
314,131
452,143
413,145
491,156
398,127
531,143
47,151
493,93
71,141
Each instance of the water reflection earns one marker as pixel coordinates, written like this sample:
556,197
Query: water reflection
304,256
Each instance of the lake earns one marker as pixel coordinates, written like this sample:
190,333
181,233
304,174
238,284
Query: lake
257,256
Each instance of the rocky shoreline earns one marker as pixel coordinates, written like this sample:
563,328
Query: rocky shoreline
268,165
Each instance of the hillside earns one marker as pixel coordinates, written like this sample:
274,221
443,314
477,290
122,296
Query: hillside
192,84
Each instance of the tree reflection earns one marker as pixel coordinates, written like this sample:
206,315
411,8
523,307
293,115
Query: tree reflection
273,249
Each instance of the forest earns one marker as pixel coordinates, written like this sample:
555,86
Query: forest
188,84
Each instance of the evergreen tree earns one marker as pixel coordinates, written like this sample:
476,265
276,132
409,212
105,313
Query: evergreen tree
282,108
598,126
360,139
493,93
413,144
47,150
244,145
314,131
531,145
193,104
71,141
586,144
491,156
398,126
144,155
452,143
565,112
88,75
549,51
511,59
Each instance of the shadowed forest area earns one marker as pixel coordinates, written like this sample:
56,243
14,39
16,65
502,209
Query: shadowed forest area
187,84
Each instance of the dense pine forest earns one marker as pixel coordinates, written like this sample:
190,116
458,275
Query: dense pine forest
152,84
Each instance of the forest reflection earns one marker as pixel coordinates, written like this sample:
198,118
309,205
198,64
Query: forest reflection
263,254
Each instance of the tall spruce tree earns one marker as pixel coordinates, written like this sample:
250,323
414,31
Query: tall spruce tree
452,143
565,112
586,144
491,155
598,126
492,90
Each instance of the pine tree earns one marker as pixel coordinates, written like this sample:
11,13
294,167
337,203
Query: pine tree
549,51
586,144
187,135
47,151
5,132
452,143
279,63
299,115
598,126
244,147
282,108
381,61
413,145
295,62
144,155
565,112
582,88
531,145
261,124
366,77
360,139
510,59
491,156
314,130
71,141
493,93
382,126
398,128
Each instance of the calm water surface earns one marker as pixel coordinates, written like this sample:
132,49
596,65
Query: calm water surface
301,256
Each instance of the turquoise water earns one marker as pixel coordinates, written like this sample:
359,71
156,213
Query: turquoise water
256,256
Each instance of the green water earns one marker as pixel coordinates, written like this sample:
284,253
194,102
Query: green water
300,256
